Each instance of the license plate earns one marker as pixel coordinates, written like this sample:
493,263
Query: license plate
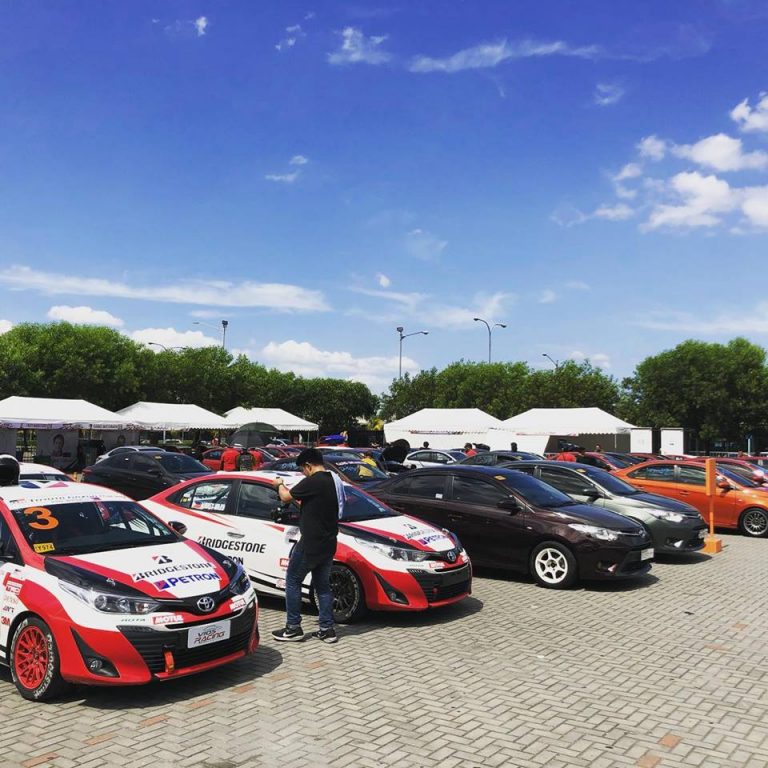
647,554
703,533
208,633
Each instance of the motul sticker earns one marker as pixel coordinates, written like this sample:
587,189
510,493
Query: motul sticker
168,618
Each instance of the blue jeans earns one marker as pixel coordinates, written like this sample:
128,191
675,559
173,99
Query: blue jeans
321,581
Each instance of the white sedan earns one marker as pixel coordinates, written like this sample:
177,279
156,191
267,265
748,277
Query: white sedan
433,458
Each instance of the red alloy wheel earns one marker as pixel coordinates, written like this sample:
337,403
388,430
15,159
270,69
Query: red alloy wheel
31,657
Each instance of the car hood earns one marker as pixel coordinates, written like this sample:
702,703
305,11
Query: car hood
593,515
402,529
177,570
658,502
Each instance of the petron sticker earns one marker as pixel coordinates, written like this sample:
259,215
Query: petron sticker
43,547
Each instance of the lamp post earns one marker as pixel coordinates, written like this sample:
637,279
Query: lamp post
489,327
556,363
224,324
400,330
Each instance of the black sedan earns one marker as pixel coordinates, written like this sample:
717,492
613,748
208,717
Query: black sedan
508,519
143,474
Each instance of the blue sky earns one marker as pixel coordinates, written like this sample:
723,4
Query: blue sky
594,175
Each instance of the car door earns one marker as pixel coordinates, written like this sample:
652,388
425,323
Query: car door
422,496
212,459
113,472
11,579
572,482
147,476
691,488
202,508
492,536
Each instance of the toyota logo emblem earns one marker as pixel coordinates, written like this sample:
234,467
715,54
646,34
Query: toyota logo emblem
451,557
206,604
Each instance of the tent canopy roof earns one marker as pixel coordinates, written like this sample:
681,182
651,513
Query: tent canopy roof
445,421
280,419
566,421
56,413
173,416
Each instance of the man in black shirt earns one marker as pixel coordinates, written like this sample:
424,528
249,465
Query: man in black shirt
320,498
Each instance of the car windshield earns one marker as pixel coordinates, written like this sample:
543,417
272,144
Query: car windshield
457,455
180,463
360,471
534,491
358,506
737,477
90,526
610,482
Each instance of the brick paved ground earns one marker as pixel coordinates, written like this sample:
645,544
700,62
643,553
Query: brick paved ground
669,671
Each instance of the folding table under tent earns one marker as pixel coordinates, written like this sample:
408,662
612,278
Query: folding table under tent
442,427
536,430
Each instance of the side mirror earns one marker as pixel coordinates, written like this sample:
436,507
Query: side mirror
724,483
593,495
180,528
510,504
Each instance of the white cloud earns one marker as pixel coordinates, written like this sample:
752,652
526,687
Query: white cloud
618,212
424,245
170,337
607,94
703,200
215,293
5,326
488,55
598,359
577,285
284,178
629,171
722,153
752,119
304,359
755,205
547,296
201,25
569,215
383,280
652,148
84,316
732,322
356,48
206,313
293,34
298,160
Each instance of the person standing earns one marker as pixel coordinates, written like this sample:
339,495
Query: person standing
230,456
321,495
469,450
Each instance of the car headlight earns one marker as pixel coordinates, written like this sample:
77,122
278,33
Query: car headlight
595,531
665,514
395,553
240,583
108,603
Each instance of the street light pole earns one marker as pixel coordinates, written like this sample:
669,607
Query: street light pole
400,330
556,363
499,325
224,324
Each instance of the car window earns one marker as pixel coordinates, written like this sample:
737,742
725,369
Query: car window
427,486
121,461
180,462
289,465
8,547
360,471
485,459
359,506
567,482
143,464
664,473
691,475
421,456
439,458
213,454
257,500
475,491
118,451
206,497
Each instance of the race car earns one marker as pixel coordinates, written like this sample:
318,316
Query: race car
384,560
94,589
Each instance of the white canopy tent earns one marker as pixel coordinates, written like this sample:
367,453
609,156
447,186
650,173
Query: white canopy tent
442,427
533,429
281,420
56,413
173,416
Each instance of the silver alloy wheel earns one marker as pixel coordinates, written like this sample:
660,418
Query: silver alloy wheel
755,522
551,565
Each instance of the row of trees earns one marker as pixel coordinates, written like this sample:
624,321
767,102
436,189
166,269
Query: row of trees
717,390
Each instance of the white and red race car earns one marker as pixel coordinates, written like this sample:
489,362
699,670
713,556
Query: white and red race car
384,560
94,589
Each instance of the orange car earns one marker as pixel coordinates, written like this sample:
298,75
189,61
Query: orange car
739,502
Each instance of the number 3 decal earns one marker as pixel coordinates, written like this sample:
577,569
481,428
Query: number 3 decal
44,520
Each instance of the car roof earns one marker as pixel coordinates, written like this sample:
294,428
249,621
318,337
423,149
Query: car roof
59,493
28,466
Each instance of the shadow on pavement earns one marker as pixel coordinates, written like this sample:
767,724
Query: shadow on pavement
691,558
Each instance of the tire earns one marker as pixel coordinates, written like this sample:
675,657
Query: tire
34,661
754,522
348,595
554,566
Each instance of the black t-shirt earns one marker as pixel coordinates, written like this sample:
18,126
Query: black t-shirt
319,521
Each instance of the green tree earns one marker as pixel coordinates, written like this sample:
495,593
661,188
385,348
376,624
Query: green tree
572,385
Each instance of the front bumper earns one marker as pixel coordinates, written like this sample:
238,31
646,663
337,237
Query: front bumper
678,538
613,561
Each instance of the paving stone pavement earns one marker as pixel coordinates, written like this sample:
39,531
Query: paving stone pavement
667,671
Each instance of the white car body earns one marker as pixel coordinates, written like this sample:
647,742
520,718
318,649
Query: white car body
41,473
429,457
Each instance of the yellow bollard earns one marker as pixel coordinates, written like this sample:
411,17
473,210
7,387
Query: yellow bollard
712,545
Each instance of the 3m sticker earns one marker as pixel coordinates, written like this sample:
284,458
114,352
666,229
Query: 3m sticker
44,519
44,547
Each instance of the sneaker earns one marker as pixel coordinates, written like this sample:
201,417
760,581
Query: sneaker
289,634
326,635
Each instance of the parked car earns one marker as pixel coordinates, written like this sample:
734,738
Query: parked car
350,470
743,468
739,503
140,474
384,560
508,519
433,458
492,458
674,526
41,473
128,449
212,457
97,590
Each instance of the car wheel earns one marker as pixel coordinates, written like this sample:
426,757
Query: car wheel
35,661
348,595
554,566
754,522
